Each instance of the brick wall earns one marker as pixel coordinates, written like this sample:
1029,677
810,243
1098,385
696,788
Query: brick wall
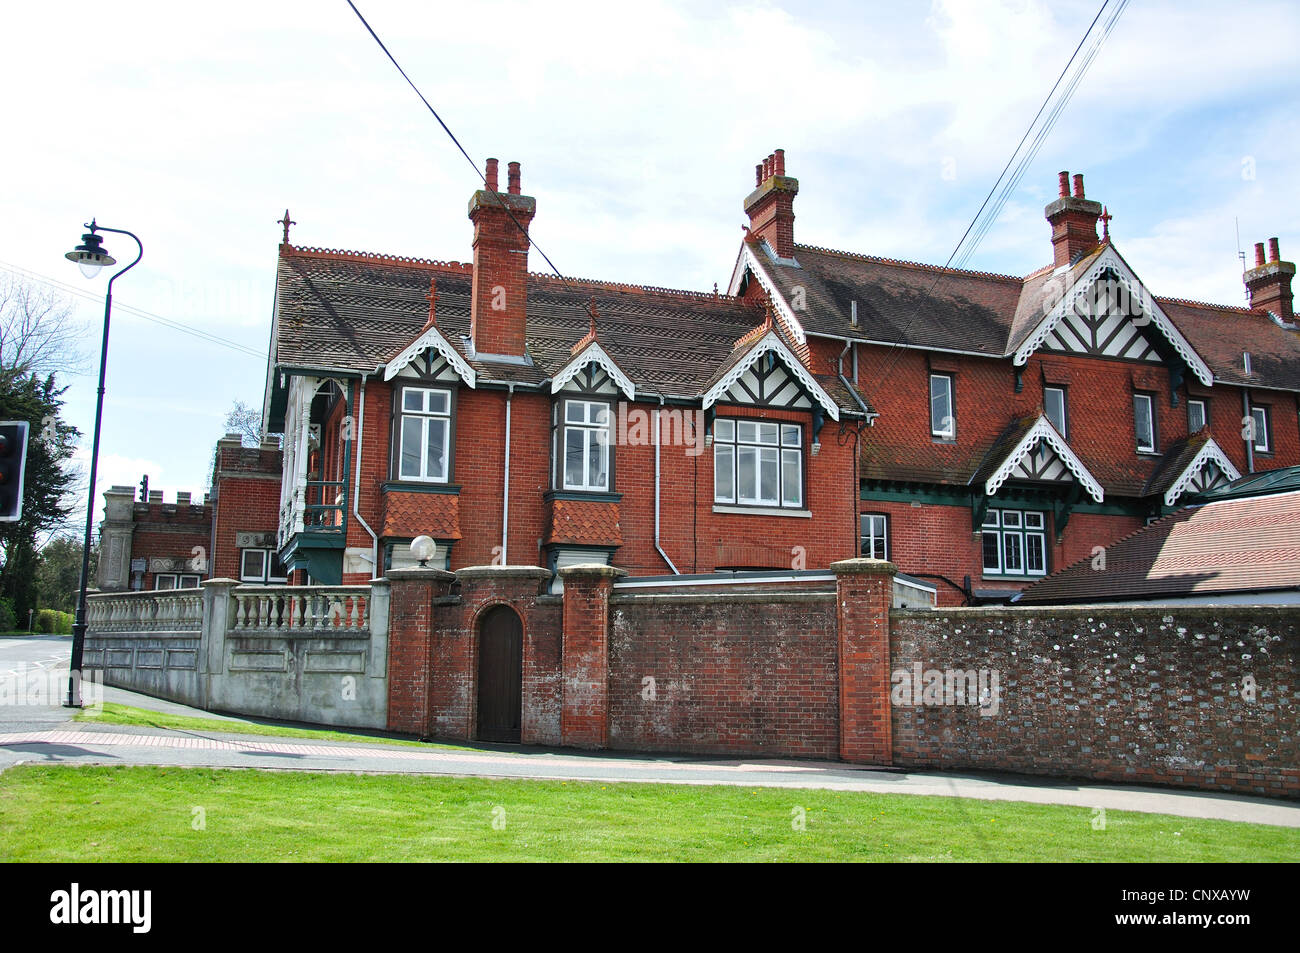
1141,695
733,672
245,499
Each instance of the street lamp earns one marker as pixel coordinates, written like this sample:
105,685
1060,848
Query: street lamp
90,257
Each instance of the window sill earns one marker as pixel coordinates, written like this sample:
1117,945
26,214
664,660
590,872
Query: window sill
591,496
760,510
401,486
999,577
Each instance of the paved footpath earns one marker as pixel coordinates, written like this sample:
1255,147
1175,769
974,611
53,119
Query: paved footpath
85,743
45,735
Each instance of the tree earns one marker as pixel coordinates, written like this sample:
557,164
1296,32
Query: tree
36,342
245,421
58,573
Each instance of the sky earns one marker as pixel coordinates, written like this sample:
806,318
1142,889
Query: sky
638,127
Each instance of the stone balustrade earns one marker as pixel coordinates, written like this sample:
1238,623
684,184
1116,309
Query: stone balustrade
176,610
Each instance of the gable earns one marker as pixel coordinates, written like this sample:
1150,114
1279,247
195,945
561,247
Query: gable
1210,468
1042,464
1107,312
1054,462
754,379
430,340
430,365
1101,324
593,371
769,383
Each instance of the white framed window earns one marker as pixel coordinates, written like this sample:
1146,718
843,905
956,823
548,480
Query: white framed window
1014,543
1054,408
584,439
1259,429
875,536
757,463
261,565
1197,417
424,435
171,580
943,416
1144,424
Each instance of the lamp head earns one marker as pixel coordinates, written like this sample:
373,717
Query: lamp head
90,255
423,548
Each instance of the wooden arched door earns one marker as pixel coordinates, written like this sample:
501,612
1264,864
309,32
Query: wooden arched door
500,674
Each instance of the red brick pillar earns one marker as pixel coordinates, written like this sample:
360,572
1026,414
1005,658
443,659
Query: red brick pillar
584,711
864,592
410,628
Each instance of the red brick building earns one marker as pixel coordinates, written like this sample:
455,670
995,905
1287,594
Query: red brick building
231,533
980,430
1024,422
517,418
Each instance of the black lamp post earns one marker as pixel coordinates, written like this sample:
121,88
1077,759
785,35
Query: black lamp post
91,256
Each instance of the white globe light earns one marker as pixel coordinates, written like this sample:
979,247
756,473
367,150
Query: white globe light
423,548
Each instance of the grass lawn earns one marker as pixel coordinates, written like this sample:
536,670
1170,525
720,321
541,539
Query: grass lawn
114,714
66,813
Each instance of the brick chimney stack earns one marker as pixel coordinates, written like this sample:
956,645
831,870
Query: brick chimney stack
499,299
1269,282
1074,222
770,206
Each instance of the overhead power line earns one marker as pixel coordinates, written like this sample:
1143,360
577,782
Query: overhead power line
451,135
981,223
132,310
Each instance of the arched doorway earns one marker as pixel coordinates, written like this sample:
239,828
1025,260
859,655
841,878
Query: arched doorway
500,674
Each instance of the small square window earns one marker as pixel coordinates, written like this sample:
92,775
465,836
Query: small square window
1196,416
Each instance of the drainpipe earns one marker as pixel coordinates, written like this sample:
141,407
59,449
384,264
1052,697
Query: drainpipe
1246,417
658,428
356,487
505,496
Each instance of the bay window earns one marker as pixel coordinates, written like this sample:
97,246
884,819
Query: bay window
757,463
584,446
424,435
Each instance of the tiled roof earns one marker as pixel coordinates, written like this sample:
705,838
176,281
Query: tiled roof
926,306
1174,461
353,312
1239,545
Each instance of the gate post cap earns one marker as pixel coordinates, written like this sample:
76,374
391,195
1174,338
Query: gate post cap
863,565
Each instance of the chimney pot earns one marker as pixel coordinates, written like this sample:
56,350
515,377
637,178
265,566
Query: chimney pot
780,161
492,175
512,173
1065,184
771,209
1259,255
1273,253
758,174
1078,185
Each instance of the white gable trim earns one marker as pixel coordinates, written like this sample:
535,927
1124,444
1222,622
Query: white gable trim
593,353
431,338
1043,430
770,342
1210,453
1110,260
746,259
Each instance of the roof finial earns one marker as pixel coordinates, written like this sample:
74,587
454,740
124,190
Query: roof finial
286,222
1105,225
432,296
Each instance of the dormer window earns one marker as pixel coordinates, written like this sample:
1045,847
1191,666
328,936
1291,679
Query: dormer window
584,446
424,434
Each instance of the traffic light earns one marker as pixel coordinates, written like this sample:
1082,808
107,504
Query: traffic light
13,462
